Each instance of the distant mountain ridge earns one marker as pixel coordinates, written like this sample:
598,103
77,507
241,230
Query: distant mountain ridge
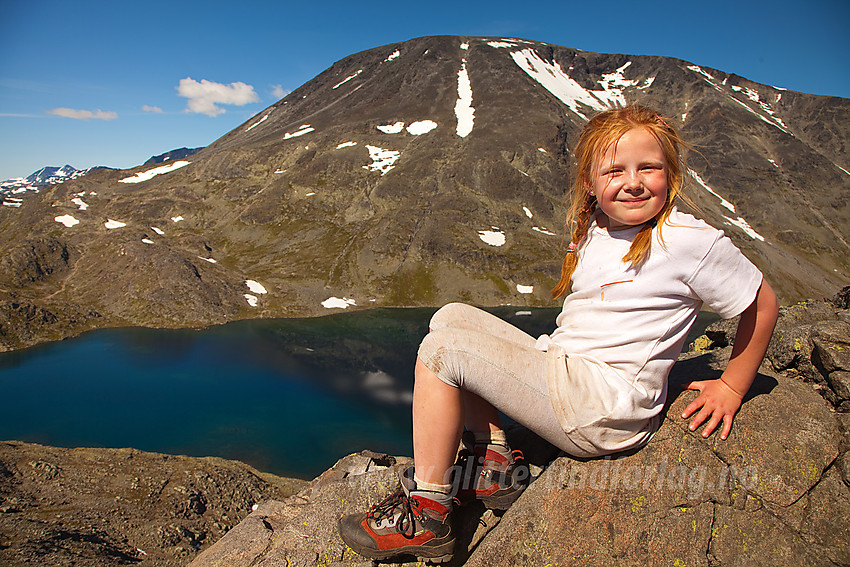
413,174
180,153
11,190
49,175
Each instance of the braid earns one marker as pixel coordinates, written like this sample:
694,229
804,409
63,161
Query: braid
581,218
639,250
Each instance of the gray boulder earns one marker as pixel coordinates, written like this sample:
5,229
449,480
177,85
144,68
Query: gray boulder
811,342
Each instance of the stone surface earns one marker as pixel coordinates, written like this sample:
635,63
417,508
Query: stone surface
105,507
811,341
684,500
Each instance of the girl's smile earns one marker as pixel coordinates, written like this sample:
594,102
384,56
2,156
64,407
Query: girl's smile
630,180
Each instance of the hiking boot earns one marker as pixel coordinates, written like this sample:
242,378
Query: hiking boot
401,524
496,478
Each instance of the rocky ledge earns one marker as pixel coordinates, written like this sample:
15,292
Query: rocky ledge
774,493
105,507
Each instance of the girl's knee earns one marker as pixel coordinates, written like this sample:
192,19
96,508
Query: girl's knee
431,347
434,354
447,314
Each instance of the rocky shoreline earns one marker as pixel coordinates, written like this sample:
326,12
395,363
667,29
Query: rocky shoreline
98,507
776,493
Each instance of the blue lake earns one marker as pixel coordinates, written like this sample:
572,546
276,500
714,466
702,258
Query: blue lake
288,396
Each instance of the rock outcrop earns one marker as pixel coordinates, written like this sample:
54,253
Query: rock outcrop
105,507
774,493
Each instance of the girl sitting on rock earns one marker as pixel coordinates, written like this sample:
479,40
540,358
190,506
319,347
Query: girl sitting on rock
638,272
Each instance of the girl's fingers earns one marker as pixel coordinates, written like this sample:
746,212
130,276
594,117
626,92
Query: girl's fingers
727,427
703,414
712,425
692,407
697,403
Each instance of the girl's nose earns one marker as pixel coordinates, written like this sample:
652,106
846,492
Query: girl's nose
631,182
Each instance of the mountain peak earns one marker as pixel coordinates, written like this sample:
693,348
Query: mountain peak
435,170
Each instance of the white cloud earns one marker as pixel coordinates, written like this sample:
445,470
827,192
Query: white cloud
83,114
155,109
205,95
279,92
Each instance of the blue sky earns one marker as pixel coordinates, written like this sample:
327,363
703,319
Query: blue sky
99,83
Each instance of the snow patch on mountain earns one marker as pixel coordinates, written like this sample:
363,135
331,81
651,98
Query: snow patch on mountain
345,80
705,186
338,303
260,121
567,90
150,173
463,107
706,76
416,128
753,95
421,127
392,55
744,226
255,287
67,220
543,230
383,160
738,222
391,128
303,129
494,237
767,114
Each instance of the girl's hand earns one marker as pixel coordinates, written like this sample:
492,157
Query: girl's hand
716,402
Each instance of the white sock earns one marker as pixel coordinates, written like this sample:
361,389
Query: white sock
440,493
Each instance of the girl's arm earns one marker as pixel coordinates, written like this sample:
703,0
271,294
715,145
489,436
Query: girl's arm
720,399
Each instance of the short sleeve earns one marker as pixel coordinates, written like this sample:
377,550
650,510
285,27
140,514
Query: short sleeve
725,280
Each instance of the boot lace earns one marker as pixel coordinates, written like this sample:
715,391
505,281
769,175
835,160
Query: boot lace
387,508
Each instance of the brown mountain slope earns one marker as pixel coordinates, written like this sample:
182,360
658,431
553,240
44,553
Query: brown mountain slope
383,182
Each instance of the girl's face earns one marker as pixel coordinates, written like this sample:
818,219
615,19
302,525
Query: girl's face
630,180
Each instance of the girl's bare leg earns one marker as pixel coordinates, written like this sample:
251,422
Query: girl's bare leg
437,425
439,413
481,416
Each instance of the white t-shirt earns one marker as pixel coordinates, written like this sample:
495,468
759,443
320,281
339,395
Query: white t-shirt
621,328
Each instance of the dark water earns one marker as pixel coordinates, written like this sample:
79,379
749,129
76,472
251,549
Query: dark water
288,396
